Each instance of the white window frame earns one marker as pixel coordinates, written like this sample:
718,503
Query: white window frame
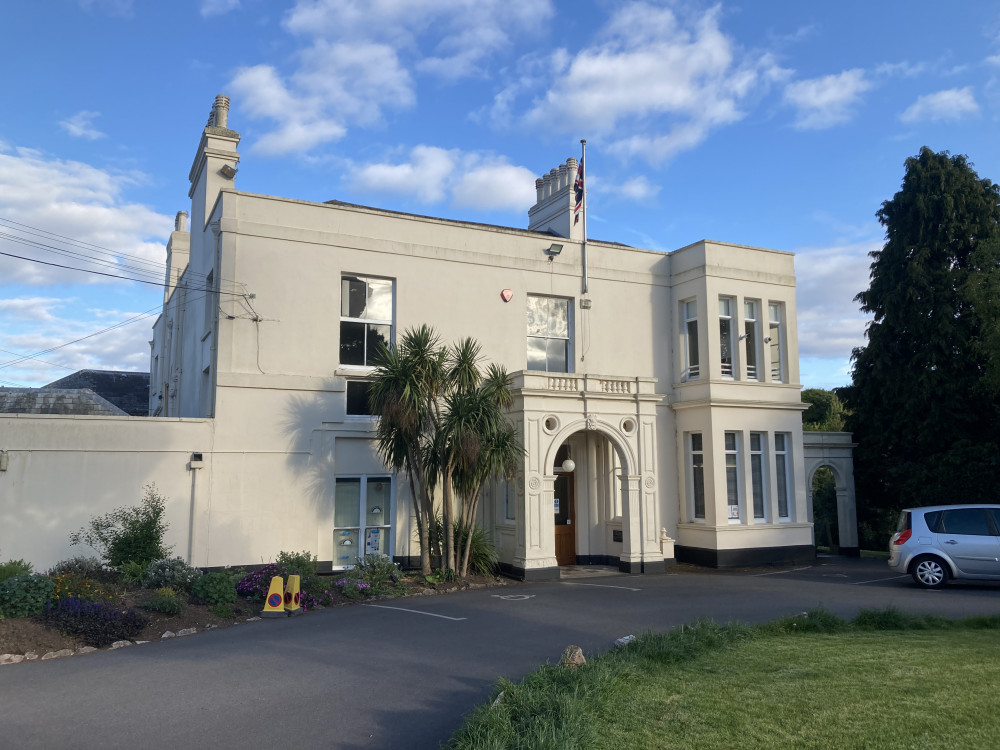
568,338
776,340
390,322
727,331
751,338
695,465
689,332
734,477
782,473
758,468
385,529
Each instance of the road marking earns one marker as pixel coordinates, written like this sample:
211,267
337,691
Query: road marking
779,572
414,611
599,585
513,597
876,580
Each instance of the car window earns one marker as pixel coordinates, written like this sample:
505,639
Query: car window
966,521
932,519
995,512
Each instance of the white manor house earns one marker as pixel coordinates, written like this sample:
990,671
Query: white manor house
657,394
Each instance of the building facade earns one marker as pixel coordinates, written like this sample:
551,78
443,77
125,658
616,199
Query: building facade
656,394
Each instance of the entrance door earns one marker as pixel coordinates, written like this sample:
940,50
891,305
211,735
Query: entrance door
565,511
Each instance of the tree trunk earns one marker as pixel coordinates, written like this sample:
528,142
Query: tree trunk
468,518
447,516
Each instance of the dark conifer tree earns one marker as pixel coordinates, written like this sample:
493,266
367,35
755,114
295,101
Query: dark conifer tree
925,402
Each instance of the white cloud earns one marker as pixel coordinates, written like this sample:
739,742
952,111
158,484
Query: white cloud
944,106
81,125
828,101
360,57
655,83
432,174
217,7
830,322
28,308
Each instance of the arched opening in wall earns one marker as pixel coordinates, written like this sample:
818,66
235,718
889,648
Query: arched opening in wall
588,500
824,495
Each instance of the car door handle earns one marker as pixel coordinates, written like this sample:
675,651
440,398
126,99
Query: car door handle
951,541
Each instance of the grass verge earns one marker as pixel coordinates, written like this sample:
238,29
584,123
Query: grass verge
885,679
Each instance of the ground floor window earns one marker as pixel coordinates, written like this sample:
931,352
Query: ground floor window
697,464
781,469
361,518
758,469
733,476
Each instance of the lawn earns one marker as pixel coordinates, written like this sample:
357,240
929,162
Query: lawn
793,683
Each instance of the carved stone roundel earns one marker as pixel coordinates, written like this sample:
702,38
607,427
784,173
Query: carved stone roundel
534,483
650,482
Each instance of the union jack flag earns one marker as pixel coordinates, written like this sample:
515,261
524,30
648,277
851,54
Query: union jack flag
578,191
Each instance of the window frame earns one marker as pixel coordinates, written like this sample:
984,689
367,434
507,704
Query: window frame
367,322
689,333
758,475
568,350
727,330
696,469
775,338
734,481
782,468
751,338
385,529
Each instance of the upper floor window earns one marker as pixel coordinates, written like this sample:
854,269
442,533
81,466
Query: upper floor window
548,334
365,318
775,336
726,305
689,313
750,337
357,398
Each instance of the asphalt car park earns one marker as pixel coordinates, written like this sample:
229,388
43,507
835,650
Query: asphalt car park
399,673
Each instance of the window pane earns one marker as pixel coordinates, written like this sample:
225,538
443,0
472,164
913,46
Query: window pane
352,343
732,487
376,335
692,343
730,441
779,442
726,341
698,480
751,348
555,355
757,476
755,441
345,547
377,501
379,305
965,521
724,306
538,316
696,441
558,318
352,297
536,354
690,310
750,310
347,503
357,398
779,462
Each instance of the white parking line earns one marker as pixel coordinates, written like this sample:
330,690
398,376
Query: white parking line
779,572
414,611
599,585
877,580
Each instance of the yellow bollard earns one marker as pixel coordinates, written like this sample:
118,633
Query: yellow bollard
292,604
274,604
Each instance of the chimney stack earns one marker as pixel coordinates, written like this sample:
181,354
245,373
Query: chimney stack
553,209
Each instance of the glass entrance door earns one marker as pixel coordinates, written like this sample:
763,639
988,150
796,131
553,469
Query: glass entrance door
361,513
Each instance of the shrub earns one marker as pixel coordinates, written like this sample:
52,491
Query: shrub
172,572
98,623
224,610
297,563
215,588
378,571
13,568
165,600
352,588
78,586
483,557
86,567
129,534
131,572
25,595
254,584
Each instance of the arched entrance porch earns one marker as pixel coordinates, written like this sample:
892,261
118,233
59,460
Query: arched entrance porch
835,451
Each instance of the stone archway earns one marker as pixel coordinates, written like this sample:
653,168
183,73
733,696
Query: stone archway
835,451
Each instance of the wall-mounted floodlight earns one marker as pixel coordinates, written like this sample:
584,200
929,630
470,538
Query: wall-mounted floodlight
553,250
228,171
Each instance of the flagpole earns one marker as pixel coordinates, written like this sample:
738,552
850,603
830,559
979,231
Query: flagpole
583,164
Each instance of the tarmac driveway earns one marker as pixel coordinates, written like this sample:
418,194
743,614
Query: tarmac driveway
402,673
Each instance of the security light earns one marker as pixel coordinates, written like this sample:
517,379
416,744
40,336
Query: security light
553,250
228,171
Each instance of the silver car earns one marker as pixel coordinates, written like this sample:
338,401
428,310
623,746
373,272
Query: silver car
939,542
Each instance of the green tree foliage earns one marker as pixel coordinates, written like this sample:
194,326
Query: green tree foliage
825,412
442,421
924,399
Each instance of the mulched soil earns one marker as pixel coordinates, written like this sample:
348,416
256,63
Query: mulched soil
25,635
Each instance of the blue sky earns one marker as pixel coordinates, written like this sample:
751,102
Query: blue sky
779,124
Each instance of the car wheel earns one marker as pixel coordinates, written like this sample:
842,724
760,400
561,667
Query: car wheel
929,572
